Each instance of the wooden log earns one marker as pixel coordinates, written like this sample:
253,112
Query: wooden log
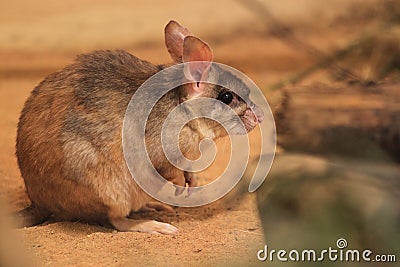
356,120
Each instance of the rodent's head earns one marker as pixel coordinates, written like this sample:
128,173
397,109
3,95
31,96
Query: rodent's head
186,48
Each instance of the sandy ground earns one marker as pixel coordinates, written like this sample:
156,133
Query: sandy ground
37,38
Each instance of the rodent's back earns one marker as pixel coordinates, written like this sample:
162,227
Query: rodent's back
72,121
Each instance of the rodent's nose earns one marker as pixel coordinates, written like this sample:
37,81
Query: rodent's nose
259,114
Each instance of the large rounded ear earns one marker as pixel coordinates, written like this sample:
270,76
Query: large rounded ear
199,56
174,36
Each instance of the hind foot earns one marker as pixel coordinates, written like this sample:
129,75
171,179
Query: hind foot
145,226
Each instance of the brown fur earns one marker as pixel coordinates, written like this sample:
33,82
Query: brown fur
69,142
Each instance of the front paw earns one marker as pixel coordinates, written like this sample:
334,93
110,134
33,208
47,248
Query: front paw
191,179
180,185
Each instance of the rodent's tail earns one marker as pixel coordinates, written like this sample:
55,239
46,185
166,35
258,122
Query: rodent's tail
31,216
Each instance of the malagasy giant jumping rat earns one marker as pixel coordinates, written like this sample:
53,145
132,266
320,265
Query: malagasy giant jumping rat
69,144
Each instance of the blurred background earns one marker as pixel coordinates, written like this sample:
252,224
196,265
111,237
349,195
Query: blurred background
329,69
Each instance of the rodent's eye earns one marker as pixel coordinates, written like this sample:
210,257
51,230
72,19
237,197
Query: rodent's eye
225,97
